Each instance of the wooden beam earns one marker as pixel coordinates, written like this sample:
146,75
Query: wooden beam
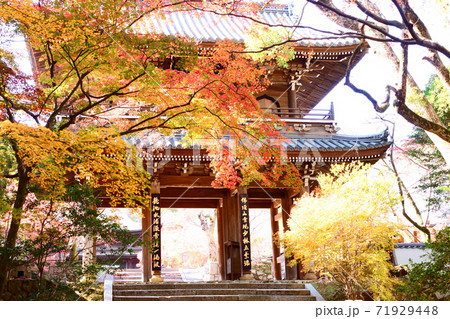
291,193
186,181
197,193
265,193
189,203
254,204
176,197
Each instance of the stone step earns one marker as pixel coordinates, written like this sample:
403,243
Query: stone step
130,270
217,298
134,275
126,280
211,292
125,275
128,275
212,285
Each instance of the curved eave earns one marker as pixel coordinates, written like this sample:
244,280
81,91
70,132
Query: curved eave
311,154
315,50
330,156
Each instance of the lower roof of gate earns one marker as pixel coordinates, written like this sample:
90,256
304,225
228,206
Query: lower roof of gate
328,148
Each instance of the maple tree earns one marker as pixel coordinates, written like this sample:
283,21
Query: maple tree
52,231
94,69
345,231
45,164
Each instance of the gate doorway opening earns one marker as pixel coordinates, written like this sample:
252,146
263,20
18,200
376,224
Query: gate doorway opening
261,243
189,250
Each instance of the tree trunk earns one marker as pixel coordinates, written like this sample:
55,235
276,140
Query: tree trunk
6,257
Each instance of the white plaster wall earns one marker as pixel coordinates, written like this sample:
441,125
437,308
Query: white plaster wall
403,255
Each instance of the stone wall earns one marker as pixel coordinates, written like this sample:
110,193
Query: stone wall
20,289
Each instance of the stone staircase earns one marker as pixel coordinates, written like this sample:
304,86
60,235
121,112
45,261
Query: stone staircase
213,291
135,275
128,275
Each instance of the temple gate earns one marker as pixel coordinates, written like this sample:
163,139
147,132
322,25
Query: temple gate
182,175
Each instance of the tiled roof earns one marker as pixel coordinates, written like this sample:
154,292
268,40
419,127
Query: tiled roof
409,245
210,27
336,142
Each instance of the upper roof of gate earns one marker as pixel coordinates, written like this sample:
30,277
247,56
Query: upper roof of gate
204,26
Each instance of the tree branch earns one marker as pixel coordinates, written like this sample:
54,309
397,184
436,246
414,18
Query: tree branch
378,18
346,20
379,108
356,24
422,122
401,187
432,123
160,125
11,175
413,22
51,120
102,99
161,113
434,57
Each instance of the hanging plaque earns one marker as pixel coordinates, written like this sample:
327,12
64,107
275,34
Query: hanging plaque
245,232
156,232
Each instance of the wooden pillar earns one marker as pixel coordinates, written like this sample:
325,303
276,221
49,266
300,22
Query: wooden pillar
146,236
286,205
226,217
292,98
246,258
276,266
220,240
305,190
231,237
156,232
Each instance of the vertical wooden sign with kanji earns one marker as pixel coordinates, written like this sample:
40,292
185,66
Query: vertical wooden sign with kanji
156,232
245,233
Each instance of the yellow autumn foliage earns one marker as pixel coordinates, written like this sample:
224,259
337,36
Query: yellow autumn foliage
346,231
95,156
